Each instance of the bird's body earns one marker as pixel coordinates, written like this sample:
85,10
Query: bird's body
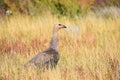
46,59
50,57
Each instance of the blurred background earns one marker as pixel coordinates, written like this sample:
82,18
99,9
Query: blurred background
70,8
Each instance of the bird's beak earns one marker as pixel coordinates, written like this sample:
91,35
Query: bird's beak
64,26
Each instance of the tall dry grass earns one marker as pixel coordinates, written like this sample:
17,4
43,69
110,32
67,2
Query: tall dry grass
91,54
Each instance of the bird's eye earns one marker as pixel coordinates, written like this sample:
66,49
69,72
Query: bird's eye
59,24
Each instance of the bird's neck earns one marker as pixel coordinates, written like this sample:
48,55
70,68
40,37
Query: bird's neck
54,41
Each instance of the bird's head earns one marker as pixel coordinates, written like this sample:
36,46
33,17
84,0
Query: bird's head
59,26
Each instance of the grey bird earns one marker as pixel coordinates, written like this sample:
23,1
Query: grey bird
49,57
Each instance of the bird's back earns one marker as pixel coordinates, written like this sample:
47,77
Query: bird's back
46,59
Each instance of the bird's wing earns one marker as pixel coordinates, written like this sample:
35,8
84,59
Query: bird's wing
42,58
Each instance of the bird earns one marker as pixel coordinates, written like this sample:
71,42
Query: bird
48,58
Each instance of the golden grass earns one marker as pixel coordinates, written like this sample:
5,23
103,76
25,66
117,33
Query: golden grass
93,54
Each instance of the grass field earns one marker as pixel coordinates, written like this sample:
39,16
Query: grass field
93,53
